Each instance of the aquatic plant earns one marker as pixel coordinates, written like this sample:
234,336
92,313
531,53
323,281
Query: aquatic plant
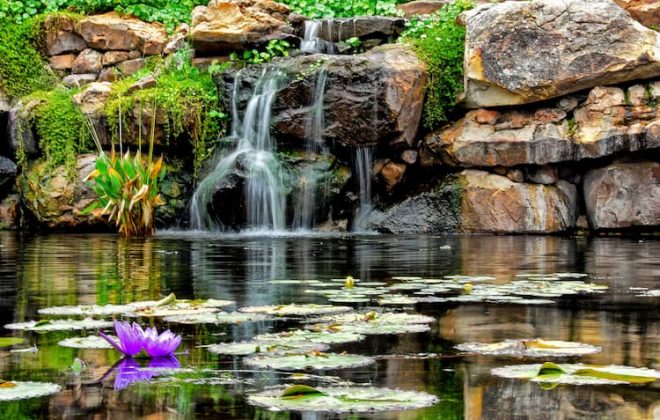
130,372
133,339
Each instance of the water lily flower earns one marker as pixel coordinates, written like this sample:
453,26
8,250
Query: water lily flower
160,345
131,338
130,372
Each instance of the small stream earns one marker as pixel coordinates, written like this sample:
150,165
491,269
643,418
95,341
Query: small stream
37,272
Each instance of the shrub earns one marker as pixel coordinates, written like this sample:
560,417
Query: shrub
343,8
439,41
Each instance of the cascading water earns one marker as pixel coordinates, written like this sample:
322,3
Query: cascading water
255,153
363,165
312,41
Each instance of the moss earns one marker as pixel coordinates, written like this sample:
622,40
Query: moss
650,100
572,125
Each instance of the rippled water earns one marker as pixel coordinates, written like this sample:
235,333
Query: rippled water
36,272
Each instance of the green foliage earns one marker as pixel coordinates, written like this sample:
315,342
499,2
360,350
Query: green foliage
169,12
127,188
439,41
275,48
343,8
22,69
61,127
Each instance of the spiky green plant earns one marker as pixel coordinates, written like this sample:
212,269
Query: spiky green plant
127,186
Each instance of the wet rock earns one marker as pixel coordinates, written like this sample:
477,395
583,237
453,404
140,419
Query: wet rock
409,156
369,99
420,7
647,12
585,44
392,174
60,37
88,61
604,124
9,212
21,136
363,27
54,200
224,26
623,195
62,62
130,67
7,170
110,31
176,190
79,80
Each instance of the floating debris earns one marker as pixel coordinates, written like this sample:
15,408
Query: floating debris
530,348
313,360
60,325
12,391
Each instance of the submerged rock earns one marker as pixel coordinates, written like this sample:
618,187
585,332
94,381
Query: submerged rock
225,26
478,201
623,195
583,44
369,99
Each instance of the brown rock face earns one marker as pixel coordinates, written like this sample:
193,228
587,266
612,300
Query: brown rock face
111,31
88,61
392,173
420,7
131,66
233,25
623,195
9,212
604,124
62,62
647,12
60,36
522,52
495,204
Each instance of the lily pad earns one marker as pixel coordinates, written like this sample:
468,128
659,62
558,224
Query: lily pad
314,360
89,342
23,390
303,336
530,348
182,307
396,300
245,348
408,286
342,400
294,309
579,374
60,325
406,278
373,284
348,298
216,318
305,282
373,328
10,341
375,317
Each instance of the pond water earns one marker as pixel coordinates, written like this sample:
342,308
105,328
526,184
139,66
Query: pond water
52,270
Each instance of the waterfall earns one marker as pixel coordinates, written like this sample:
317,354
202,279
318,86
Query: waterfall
255,154
306,200
363,169
312,41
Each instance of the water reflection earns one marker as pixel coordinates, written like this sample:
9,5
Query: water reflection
78,269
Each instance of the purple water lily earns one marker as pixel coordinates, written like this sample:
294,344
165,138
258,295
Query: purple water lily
133,339
130,372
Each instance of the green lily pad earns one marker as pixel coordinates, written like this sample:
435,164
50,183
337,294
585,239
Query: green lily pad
373,284
89,342
530,348
216,318
60,325
305,282
314,360
374,317
245,348
578,374
10,341
303,336
374,328
406,278
23,390
182,307
407,286
348,298
339,400
294,309
396,300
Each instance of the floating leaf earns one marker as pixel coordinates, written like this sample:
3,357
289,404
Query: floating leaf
375,317
347,298
373,328
298,391
182,307
344,400
302,336
314,360
216,318
305,282
530,348
23,390
396,300
245,348
10,341
294,309
579,374
89,342
60,325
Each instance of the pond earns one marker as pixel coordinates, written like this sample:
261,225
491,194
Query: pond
54,270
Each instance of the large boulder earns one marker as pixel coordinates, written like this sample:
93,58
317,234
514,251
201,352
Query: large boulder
522,52
623,195
110,31
609,121
224,25
60,36
647,12
55,200
369,99
481,202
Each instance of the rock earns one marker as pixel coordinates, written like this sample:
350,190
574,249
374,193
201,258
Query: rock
604,124
5,104
93,98
54,200
647,12
225,26
60,37
176,190
409,156
363,27
7,170
114,57
109,74
480,202
20,134
9,212
146,82
584,44
130,67
392,173
420,7
110,31
203,63
79,80
546,175
178,40
62,62
89,61
515,174
623,195
371,98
